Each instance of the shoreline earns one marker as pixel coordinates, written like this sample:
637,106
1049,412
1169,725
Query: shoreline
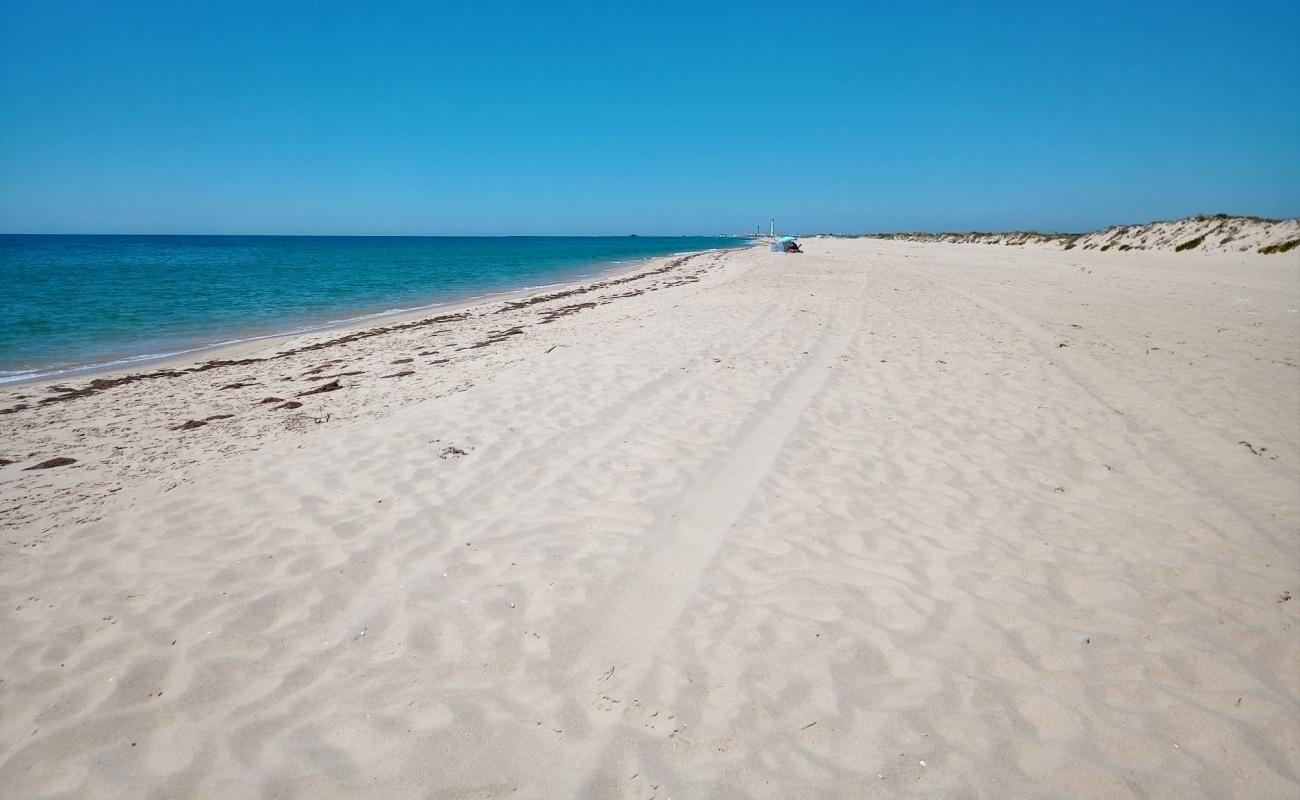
242,347
127,421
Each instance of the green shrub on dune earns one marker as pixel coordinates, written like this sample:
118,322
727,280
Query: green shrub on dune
1280,247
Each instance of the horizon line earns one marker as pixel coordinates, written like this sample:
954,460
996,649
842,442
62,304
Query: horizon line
403,235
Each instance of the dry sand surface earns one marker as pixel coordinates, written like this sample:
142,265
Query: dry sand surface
885,519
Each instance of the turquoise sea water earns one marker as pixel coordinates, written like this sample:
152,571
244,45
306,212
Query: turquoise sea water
71,302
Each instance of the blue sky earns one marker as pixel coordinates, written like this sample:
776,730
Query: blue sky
554,118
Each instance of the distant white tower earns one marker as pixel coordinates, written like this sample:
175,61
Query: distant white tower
771,227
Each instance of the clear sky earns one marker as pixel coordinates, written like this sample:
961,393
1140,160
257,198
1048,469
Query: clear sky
648,117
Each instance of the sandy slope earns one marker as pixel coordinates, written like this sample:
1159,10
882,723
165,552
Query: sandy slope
1190,235
886,519
1197,235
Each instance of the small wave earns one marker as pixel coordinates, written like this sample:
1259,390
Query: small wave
22,375
14,376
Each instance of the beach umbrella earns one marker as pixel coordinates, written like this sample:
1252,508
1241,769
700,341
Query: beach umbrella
787,239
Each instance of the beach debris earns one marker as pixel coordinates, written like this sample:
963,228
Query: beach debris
191,424
302,422
551,315
288,406
238,385
4,462
401,374
1284,597
452,452
336,375
1085,639
62,394
515,305
266,400
50,463
366,333
809,725
495,336
633,293
402,361
321,367
1259,452
333,385
65,393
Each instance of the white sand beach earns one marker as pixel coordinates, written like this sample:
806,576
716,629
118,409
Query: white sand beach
885,519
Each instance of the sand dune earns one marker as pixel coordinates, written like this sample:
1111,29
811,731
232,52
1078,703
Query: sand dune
1201,234
885,519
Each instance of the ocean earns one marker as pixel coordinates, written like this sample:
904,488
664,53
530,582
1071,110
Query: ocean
72,303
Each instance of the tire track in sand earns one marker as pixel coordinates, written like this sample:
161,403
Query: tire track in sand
621,629
622,643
